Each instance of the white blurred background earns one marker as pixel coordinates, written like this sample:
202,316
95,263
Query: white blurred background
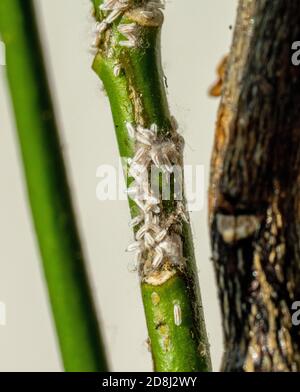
196,35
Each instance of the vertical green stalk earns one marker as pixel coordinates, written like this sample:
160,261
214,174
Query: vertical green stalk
137,96
49,194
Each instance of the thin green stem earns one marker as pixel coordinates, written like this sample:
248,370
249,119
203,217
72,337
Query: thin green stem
137,95
49,194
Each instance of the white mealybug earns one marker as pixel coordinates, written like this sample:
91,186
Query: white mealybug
101,26
149,218
161,235
140,155
143,139
149,240
151,207
158,258
117,70
148,133
156,157
154,228
155,220
167,163
134,246
127,44
136,221
113,16
141,232
110,5
129,31
182,212
177,315
154,129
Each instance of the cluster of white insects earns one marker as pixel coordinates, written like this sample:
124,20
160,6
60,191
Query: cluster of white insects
116,8
152,234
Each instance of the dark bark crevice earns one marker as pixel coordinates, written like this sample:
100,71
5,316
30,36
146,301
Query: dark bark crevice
254,192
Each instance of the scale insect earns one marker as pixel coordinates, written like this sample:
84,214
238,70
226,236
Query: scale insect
114,9
117,70
177,314
158,258
110,5
151,236
129,31
130,129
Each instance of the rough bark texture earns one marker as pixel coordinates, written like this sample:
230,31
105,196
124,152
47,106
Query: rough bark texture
254,192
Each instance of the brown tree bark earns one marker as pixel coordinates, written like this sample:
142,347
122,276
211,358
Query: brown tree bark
254,191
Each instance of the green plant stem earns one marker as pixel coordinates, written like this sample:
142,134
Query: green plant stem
49,194
174,348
